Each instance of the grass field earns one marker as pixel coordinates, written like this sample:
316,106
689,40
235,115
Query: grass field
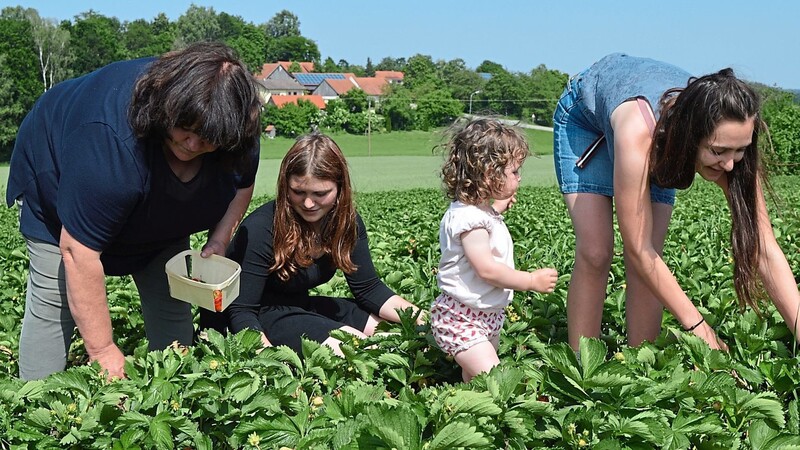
401,160
399,143
391,161
399,173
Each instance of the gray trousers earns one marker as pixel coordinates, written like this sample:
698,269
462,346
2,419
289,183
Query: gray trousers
48,326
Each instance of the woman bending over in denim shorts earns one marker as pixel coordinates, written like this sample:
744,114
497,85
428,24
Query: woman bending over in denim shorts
633,130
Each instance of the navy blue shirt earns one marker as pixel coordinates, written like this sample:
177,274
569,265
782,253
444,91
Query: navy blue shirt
252,248
77,164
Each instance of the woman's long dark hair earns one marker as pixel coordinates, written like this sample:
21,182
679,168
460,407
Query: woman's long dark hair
318,156
689,117
203,88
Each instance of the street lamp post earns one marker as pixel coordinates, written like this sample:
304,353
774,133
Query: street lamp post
470,100
369,127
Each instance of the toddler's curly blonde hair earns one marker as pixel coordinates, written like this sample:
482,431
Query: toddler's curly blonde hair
477,156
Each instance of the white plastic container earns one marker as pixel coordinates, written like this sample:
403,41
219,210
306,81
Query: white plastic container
214,281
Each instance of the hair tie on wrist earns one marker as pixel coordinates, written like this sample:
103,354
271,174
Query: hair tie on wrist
695,325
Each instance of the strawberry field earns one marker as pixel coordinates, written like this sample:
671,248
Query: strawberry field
399,391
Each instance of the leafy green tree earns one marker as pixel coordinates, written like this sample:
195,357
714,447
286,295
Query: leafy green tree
138,36
198,24
96,40
490,67
292,48
782,116
355,100
544,87
357,70
437,108
10,111
143,38
283,24
345,66
398,109
247,39
292,120
369,70
459,79
51,44
21,66
358,123
392,64
505,94
335,116
328,66
420,70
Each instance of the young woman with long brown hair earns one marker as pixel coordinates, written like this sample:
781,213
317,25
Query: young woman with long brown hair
297,242
632,130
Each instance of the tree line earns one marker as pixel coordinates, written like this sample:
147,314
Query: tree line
36,53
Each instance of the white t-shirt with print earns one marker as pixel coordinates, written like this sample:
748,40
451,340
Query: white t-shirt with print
457,277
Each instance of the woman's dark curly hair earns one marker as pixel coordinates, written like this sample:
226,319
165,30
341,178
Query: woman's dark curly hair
203,88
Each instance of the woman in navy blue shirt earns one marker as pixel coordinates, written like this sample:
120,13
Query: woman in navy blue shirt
113,172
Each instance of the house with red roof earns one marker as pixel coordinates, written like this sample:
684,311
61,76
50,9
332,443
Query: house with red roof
312,80
282,100
272,70
373,87
391,76
331,88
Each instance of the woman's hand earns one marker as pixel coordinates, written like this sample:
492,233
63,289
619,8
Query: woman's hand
213,248
422,318
265,341
111,361
706,333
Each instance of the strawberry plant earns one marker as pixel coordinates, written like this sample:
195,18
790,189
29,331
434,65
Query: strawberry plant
398,390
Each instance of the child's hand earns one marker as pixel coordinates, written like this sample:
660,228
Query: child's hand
543,280
502,206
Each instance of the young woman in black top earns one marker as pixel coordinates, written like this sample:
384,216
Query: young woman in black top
297,242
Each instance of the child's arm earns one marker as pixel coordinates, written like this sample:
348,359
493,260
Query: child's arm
479,254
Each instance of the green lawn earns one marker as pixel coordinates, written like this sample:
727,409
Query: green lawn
391,161
399,173
398,143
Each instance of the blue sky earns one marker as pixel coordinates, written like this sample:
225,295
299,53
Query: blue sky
759,40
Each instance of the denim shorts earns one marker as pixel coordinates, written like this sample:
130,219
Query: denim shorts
573,133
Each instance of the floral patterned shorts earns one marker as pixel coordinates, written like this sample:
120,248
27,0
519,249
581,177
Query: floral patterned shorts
457,327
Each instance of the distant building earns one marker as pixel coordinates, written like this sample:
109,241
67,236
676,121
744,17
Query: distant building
268,70
373,87
391,76
282,100
330,88
282,87
311,80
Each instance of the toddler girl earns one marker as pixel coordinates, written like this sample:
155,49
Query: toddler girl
476,272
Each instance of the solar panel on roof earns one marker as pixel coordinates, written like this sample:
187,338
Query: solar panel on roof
308,79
